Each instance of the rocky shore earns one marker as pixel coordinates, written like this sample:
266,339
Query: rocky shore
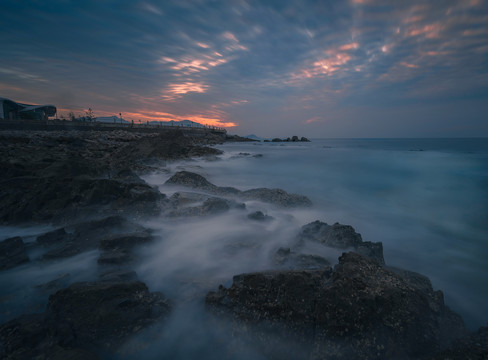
87,187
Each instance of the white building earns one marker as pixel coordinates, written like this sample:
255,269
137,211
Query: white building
11,110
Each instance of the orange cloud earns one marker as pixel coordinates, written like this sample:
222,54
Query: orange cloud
142,116
312,120
350,46
411,66
177,90
429,31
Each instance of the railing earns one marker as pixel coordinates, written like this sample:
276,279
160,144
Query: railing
95,125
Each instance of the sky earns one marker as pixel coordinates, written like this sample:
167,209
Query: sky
357,68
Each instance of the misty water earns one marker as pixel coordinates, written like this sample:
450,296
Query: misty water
425,199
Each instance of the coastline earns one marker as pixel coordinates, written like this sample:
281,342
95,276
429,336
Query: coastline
88,187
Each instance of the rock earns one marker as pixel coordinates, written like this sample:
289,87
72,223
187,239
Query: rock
276,197
94,318
473,347
88,235
53,237
294,138
12,253
182,198
259,216
125,241
196,181
118,276
285,258
115,257
304,139
340,236
359,310
211,206
54,285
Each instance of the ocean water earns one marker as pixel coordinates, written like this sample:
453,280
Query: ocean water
425,199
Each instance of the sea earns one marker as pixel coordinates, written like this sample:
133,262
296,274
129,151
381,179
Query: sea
426,200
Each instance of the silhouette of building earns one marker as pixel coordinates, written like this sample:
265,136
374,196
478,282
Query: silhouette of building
11,110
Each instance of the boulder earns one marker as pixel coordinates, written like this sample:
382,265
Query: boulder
359,310
259,216
88,235
12,253
285,258
211,206
91,318
342,237
53,237
276,197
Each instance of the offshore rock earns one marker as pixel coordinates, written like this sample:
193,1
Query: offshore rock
342,237
277,197
12,253
360,310
91,318
259,216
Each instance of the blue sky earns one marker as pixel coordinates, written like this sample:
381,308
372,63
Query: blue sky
358,68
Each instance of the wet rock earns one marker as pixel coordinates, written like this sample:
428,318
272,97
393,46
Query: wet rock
276,197
211,206
54,285
88,235
259,216
359,310
53,237
115,257
340,236
125,241
473,347
285,258
181,198
64,200
84,318
196,181
12,253
116,275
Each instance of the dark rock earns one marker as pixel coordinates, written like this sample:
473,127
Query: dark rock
54,285
196,181
340,236
66,199
211,206
304,139
118,276
294,138
12,253
360,310
115,257
285,258
125,241
88,235
53,237
259,216
276,197
473,347
85,318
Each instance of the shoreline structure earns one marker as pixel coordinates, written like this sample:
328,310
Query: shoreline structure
86,186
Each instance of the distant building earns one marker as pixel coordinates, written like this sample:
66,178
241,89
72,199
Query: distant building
11,110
